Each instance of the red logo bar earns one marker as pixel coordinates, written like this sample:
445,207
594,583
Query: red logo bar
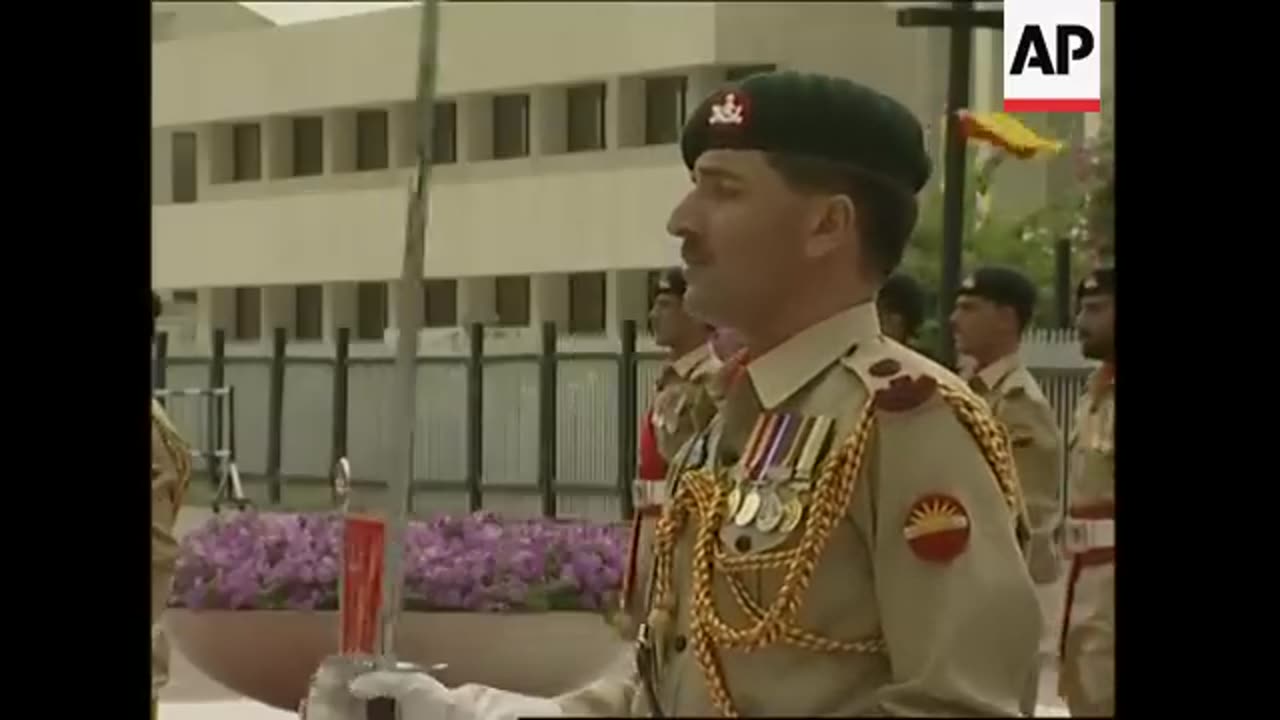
1046,105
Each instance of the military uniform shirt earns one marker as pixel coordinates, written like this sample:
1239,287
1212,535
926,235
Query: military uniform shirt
918,602
685,400
170,474
1018,403
684,403
1087,678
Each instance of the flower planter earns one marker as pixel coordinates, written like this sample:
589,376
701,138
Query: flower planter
516,604
269,655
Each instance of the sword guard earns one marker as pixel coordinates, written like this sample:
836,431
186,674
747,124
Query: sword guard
382,708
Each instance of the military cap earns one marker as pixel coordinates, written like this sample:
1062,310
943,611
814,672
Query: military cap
671,281
1100,281
811,115
1002,286
901,294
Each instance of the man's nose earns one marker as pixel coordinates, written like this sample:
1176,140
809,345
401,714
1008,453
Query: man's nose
680,223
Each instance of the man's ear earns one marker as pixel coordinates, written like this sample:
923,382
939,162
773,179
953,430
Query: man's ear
831,222
1009,315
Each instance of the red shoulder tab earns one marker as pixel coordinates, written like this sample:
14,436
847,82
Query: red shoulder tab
906,393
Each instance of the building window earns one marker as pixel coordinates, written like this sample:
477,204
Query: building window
371,310
308,312
184,167
440,303
248,313
586,117
663,109
185,297
246,152
734,74
444,145
308,146
587,303
511,300
372,151
510,126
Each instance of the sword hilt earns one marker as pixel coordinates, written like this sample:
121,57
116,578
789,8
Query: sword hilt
382,708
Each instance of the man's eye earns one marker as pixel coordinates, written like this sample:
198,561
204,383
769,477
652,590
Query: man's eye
719,189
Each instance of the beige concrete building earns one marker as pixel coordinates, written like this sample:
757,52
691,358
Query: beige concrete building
281,155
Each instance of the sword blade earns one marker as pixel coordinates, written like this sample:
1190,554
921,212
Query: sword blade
410,307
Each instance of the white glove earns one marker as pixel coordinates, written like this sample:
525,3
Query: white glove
422,697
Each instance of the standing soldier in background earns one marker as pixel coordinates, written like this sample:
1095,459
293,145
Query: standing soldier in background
901,307
843,539
1087,680
992,310
170,474
684,402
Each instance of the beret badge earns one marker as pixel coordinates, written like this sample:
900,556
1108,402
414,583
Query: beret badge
731,111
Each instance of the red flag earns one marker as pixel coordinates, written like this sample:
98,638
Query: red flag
653,467
363,543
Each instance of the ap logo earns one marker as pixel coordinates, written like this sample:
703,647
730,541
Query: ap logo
1052,56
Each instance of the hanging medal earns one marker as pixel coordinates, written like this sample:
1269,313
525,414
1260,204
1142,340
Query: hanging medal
751,499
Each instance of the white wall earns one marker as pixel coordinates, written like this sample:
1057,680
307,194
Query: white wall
550,213
566,214
373,58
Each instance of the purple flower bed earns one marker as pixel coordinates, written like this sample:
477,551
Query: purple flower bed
478,563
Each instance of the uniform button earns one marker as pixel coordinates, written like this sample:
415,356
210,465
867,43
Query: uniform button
885,368
680,643
742,544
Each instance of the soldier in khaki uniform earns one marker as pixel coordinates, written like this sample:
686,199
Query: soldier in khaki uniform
1087,680
170,474
992,310
684,402
843,538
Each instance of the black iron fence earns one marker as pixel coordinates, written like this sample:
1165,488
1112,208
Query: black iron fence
551,432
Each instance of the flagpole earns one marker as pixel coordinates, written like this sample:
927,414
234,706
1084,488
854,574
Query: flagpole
410,311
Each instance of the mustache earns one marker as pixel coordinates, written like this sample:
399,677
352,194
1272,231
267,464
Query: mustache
693,252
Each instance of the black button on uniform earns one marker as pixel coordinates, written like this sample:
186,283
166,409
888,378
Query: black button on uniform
680,643
742,544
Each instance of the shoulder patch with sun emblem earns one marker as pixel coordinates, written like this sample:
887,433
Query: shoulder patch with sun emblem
937,528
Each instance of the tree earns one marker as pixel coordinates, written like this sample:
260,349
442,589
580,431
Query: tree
1018,243
1085,216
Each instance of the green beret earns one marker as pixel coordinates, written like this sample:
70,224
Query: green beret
671,281
901,294
1002,286
1101,281
811,115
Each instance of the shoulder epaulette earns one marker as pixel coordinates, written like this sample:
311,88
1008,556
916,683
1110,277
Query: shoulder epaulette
901,380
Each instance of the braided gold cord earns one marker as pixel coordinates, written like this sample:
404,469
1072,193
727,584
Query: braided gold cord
746,563
993,441
701,493
178,451
800,637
